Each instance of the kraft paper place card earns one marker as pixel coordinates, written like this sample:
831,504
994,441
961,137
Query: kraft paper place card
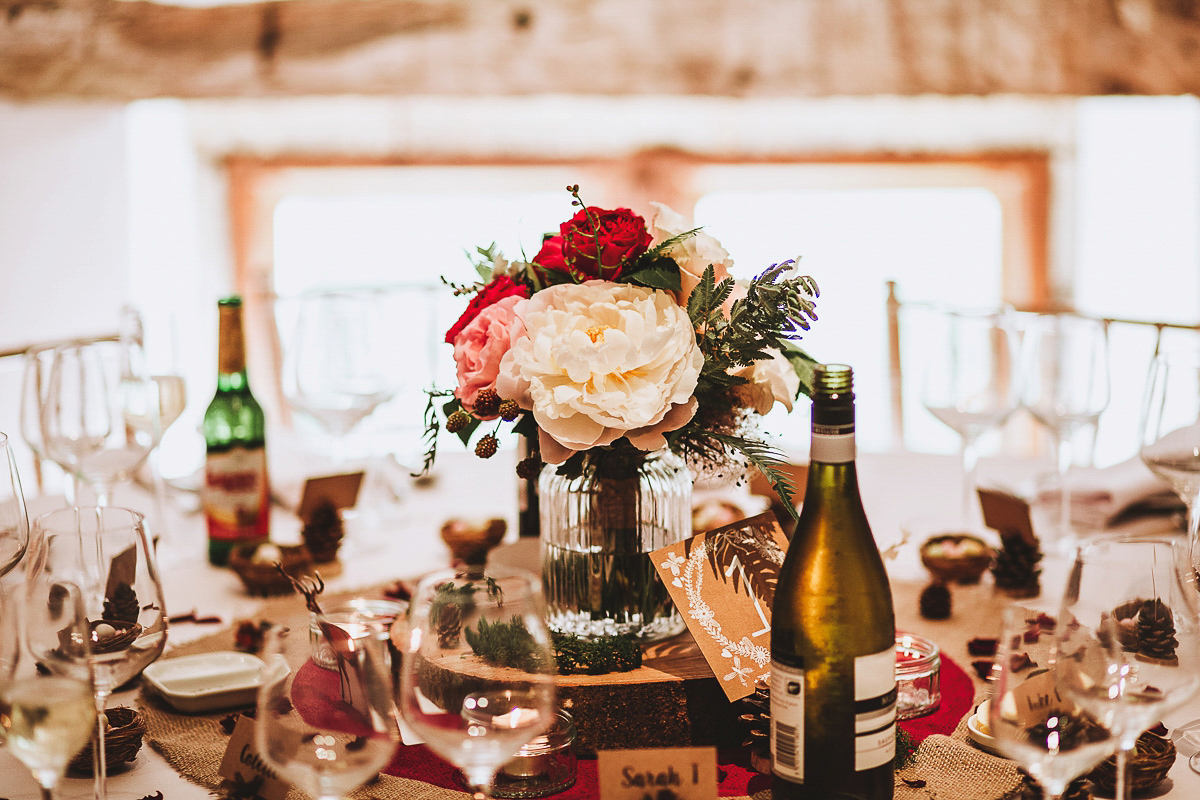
723,583
122,569
340,490
243,766
1037,699
686,773
1007,514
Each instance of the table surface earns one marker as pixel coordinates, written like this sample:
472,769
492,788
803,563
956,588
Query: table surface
395,534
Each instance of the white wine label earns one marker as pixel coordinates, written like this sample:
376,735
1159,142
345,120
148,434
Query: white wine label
874,709
837,448
787,721
235,498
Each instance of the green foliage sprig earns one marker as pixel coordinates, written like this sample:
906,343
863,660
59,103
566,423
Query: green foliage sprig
510,644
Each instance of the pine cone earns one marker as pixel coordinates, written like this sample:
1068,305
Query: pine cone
757,719
123,605
323,533
1016,567
1156,630
449,624
935,601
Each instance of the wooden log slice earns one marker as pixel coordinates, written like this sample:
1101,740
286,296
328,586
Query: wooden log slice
672,700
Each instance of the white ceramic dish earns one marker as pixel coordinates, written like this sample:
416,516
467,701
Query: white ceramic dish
207,681
977,730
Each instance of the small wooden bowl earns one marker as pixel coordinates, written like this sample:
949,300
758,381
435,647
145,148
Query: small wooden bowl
470,540
260,576
122,740
959,567
1147,768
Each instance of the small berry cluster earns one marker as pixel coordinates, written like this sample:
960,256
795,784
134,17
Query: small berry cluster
489,405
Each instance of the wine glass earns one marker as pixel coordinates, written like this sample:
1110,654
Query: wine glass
48,711
99,418
1052,738
1170,435
335,365
328,728
1129,636
34,377
970,382
107,554
472,706
1065,385
14,520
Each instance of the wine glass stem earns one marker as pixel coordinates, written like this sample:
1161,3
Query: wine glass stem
1121,791
99,754
47,792
1193,540
1065,456
103,492
970,463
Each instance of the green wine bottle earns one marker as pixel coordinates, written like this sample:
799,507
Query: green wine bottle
236,492
833,663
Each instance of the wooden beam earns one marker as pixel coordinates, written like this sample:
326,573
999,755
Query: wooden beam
112,49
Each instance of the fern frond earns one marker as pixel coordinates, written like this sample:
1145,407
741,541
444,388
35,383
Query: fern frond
770,462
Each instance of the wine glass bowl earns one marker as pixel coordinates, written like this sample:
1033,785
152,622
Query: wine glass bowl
474,705
14,520
49,712
106,554
99,416
1170,428
1031,722
1129,639
333,369
1064,384
971,382
328,728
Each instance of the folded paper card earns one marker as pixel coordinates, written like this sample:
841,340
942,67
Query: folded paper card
723,582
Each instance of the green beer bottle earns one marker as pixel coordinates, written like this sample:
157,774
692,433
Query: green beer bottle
236,493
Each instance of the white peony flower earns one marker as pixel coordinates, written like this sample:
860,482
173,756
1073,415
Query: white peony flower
693,254
771,380
599,361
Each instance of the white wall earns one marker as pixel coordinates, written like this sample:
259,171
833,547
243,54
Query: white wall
63,220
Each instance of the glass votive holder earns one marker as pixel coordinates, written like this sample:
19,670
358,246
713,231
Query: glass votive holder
360,617
544,766
918,676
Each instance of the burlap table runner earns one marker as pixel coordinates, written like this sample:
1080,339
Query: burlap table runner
948,766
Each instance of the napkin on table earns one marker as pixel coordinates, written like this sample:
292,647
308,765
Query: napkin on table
1099,496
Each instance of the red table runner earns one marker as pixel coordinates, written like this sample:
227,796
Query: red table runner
418,762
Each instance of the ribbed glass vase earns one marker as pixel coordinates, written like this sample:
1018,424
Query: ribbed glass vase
597,528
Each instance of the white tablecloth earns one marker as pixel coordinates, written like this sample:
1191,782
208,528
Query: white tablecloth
400,539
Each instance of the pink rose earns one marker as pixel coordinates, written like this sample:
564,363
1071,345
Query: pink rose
693,254
482,343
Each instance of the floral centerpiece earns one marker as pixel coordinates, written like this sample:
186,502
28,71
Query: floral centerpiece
621,343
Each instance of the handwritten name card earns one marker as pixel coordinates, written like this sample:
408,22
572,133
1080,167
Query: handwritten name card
688,773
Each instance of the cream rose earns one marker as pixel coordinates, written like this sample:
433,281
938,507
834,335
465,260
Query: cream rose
599,361
693,254
771,380
481,344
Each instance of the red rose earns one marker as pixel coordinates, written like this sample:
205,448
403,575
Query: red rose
596,243
551,254
498,289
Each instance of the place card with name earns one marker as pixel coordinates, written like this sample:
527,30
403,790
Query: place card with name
723,583
1037,699
341,491
1007,514
243,766
687,773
